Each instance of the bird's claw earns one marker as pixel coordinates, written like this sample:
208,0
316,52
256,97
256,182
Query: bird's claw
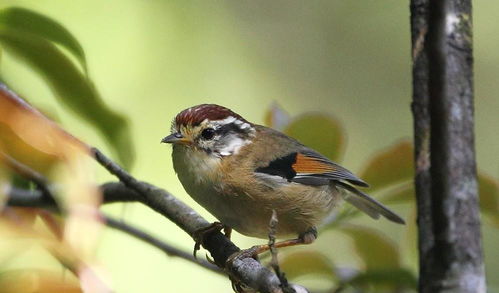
251,252
201,233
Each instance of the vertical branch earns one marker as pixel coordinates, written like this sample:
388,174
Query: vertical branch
450,243
421,114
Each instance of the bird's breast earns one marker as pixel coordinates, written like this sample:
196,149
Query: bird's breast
238,198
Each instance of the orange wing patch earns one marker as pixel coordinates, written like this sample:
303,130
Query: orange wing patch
305,164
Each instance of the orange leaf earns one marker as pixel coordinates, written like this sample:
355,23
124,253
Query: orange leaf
39,281
21,216
31,138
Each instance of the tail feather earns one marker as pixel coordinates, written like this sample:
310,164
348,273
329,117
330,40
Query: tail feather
368,204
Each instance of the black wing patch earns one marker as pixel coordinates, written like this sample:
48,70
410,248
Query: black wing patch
282,166
309,168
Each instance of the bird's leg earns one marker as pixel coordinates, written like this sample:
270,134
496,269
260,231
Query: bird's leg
201,233
227,231
304,238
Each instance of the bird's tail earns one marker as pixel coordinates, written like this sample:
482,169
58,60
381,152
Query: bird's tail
368,204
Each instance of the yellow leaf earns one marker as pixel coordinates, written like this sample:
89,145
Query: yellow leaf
390,166
376,250
307,262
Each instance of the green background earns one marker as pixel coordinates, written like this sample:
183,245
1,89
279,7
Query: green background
151,59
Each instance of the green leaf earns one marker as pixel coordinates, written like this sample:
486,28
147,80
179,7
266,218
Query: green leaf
385,279
393,165
307,262
71,87
376,250
319,131
27,21
489,197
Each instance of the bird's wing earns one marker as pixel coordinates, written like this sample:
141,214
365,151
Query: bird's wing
309,168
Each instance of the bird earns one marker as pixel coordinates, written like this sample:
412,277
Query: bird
242,173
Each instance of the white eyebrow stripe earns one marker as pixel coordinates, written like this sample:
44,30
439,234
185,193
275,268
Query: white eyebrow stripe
227,120
242,124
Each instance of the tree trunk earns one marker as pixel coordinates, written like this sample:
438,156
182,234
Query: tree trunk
446,186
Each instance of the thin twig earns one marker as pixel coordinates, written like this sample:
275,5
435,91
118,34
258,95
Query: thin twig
274,262
40,181
45,196
112,193
161,245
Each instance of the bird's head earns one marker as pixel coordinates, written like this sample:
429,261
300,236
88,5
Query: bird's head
211,128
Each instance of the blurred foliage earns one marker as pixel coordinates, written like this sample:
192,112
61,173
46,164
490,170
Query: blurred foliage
32,37
35,143
36,281
36,148
390,173
395,164
40,42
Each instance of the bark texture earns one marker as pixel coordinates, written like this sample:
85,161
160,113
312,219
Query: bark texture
451,257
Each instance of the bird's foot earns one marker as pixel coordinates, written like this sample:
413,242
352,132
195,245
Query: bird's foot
309,236
304,238
200,234
252,252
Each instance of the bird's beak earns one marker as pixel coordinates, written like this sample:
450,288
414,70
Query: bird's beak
175,138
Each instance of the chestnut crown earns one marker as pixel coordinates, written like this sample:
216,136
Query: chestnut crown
195,115
212,128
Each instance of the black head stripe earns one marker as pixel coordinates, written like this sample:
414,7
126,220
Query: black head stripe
231,127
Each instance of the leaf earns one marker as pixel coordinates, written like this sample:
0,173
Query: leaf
489,197
40,281
76,190
376,250
319,131
276,117
393,165
27,21
394,278
403,193
72,88
30,138
20,216
307,262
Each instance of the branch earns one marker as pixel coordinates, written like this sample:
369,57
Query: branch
166,248
448,217
274,262
28,173
112,193
421,114
247,270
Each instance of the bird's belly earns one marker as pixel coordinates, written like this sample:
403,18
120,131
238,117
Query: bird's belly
248,209
250,215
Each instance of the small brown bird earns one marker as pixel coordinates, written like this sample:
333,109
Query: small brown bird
240,172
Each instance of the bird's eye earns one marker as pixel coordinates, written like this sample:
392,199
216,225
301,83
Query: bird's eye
208,133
